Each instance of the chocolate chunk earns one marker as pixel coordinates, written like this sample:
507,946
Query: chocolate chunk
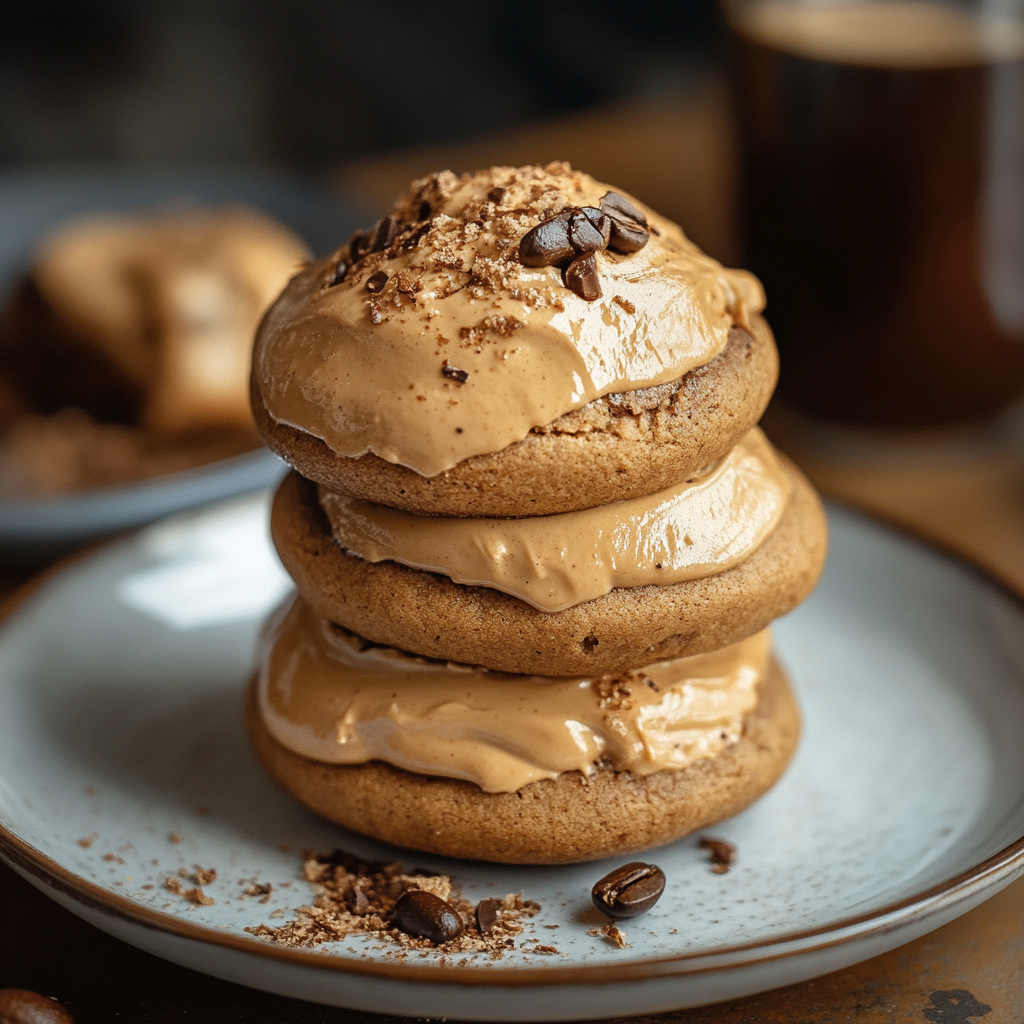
486,915
627,237
340,272
384,233
425,210
358,246
547,245
20,1006
422,913
581,277
375,282
584,236
497,195
619,206
630,890
722,853
454,373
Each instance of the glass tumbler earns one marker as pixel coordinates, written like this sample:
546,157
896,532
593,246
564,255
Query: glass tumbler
882,190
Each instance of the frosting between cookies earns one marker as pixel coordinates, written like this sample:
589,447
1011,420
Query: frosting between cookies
326,699
365,370
700,527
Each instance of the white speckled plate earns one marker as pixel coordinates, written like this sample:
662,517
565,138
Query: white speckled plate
121,684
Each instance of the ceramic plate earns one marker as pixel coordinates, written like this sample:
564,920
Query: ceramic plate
31,203
122,758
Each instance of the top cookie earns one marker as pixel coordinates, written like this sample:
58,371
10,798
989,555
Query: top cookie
486,307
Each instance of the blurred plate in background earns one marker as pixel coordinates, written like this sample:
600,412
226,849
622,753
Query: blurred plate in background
33,530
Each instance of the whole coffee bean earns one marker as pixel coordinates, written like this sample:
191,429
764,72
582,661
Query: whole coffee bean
547,244
584,235
600,220
619,206
20,1006
376,282
627,237
358,246
383,233
581,277
630,890
487,915
421,913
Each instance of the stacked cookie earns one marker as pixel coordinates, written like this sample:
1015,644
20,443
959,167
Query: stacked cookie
536,535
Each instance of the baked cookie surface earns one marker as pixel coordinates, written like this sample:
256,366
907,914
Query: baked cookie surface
562,820
429,614
616,447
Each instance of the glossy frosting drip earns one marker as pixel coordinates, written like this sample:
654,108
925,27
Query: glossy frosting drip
328,696
701,527
461,350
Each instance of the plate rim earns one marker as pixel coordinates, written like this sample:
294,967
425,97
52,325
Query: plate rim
1001,866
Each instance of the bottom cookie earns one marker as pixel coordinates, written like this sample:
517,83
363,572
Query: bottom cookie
570,818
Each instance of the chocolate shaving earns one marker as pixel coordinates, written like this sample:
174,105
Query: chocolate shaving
425,211
497,195
375,282
358,246
454,373
339,275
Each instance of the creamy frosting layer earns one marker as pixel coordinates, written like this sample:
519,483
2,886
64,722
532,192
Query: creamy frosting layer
327,695
702,526
444,346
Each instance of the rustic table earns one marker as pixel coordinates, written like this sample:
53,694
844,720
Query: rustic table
677,156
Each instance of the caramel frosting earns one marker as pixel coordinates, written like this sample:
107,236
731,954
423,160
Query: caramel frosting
443,345
173,301
328,695
700,527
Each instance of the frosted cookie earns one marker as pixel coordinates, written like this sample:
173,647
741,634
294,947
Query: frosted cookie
388,745
500,326
428,613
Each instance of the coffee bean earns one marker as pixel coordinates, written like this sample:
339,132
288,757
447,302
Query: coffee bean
20,1006
627,237
630,890
600,220
619,206
340,271
358,246
422,913
581,277
547,244
497,195
584,235
486,915
425,210
454,373
375,282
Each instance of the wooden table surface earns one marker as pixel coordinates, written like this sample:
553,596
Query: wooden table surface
677,156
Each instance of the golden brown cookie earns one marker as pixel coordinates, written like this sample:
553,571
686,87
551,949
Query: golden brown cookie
556,821
619,446
429,614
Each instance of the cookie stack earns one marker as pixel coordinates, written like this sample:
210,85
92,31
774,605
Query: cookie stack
536,535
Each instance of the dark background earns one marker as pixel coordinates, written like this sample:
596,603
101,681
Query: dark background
308,82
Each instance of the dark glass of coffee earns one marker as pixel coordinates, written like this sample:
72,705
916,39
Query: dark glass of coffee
882,170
